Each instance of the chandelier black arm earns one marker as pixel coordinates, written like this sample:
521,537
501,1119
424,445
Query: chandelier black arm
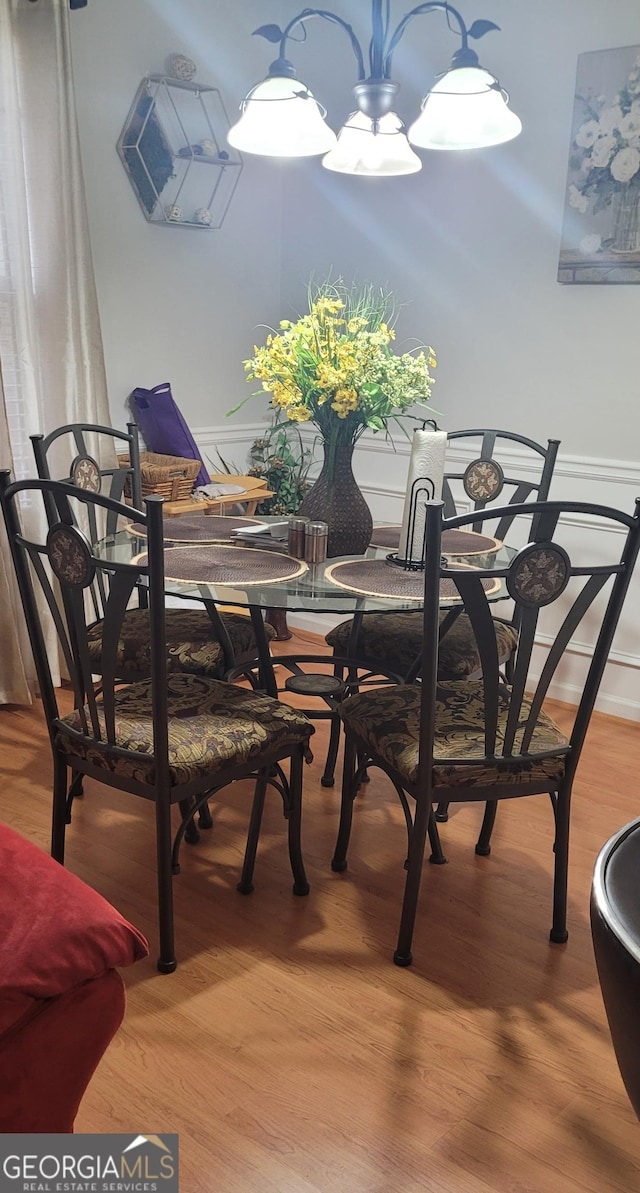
335,20
379,31
430,6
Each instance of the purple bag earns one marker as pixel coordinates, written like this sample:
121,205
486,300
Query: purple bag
163,427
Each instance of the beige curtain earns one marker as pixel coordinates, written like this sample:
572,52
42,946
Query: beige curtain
50,344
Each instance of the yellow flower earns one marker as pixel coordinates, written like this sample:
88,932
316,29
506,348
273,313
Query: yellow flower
327,306
298,414
344,401
334,364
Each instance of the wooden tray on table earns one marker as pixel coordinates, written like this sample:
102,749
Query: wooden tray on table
253,492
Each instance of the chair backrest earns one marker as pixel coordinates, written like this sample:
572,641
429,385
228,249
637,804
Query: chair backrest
488,481
85,471
68,555
540,577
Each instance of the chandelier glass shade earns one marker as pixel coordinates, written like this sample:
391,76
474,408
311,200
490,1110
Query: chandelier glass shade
372,148
465,109
282,119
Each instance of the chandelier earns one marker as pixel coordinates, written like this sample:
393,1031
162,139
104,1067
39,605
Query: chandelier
465,109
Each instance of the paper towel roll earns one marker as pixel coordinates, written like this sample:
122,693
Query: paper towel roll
426,463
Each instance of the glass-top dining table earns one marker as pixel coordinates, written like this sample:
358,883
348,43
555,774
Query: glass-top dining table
240,562
205,560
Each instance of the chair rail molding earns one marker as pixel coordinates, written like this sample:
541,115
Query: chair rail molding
234,433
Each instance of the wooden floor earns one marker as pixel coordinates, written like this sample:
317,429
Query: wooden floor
289,1052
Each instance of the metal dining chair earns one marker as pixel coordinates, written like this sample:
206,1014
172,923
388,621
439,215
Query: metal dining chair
172,738
200,641
491,739
394,641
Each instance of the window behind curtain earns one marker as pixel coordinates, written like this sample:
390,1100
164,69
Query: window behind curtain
11,373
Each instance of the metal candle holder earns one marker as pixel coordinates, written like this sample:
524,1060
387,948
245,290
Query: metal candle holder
423,488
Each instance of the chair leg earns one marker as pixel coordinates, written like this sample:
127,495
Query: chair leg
403,955
442,813
205,819
349,772
191,835
328,778
300,883
167,959
559,933
483,844
76,790
364,774
245,885
437,857
59,816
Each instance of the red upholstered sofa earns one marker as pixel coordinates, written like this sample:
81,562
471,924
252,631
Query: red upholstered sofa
61,997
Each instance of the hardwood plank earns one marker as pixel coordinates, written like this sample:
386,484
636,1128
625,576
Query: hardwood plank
289,1052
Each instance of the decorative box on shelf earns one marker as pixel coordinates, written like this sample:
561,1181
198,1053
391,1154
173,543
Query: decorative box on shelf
173,148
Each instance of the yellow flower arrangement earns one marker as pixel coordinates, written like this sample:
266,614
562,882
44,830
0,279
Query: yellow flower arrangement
334,366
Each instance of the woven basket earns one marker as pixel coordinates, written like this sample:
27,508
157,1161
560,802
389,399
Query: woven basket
169,476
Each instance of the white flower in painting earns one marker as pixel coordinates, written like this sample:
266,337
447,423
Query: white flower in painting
590,245
587,134
610,119
577,199
625,164
605,154
630,124
602,150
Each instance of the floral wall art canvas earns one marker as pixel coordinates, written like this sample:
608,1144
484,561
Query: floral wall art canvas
601,232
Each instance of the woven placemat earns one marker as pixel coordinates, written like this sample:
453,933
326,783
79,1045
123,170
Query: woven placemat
454,542
468,543
386,537
377,578
239,566
197,528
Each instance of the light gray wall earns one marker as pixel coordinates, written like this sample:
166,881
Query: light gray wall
176,304
471,242
470,245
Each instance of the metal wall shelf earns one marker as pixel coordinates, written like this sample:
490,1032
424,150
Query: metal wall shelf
174,151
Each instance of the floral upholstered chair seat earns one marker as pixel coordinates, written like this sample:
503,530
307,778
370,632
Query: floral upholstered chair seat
191,645
398,636
212,726
388,719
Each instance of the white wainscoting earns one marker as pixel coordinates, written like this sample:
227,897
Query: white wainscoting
381,472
